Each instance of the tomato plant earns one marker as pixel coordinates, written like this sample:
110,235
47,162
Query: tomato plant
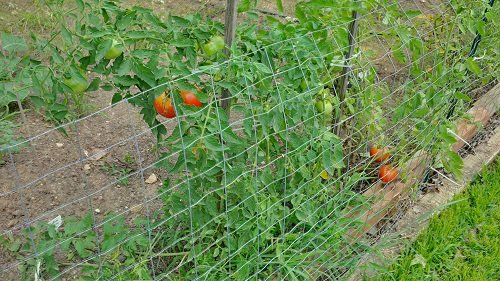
247,193
14,88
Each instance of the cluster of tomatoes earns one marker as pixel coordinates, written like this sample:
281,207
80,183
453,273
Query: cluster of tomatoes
163,103
387,173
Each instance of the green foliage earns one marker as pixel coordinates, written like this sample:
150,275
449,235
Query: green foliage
13,75
462,242
14,87
7,138
246,198
75,240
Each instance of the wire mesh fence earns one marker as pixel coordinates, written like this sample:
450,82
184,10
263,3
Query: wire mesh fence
288,183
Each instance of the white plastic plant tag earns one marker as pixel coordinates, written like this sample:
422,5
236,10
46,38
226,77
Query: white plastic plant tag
57,222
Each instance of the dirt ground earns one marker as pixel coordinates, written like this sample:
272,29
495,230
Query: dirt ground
19,16
46,179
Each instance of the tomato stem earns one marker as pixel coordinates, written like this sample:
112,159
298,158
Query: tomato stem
206,118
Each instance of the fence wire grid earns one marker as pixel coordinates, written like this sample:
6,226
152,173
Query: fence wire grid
280,186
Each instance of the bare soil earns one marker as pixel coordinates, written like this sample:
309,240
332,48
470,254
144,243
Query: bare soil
48,172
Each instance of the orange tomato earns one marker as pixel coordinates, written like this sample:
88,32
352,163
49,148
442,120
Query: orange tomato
190,98
379,154
387,173
163,106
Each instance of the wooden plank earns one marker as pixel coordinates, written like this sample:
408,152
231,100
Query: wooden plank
481,112
229,33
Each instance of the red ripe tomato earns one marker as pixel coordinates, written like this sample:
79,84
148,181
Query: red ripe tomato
379,154
190,98
163,106
387,173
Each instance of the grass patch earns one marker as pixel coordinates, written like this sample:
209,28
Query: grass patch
462,242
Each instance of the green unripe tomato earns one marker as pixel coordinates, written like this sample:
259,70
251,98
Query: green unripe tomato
214,45
217,77
218,42
210,49
77,85
324,107
303,85
113,52
325,92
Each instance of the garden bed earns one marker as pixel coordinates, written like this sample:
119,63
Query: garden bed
150,185
397,222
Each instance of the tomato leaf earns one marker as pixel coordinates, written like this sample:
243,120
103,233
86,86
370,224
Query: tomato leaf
124,81
80,5
338,157
244,6
123,22
94,85
13,44
213,144
462,96
102,48
124,68
453,163
299,13
144,73
56,57
473,66
279,4
66,35
182,22
116,98
327,156
263,68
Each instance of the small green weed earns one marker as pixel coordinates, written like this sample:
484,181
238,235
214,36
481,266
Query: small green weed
7,138
121,169
74,240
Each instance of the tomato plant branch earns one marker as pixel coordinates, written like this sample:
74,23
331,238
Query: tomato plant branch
206,119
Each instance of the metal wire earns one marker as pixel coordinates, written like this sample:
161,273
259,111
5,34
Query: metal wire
344,198
112,218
